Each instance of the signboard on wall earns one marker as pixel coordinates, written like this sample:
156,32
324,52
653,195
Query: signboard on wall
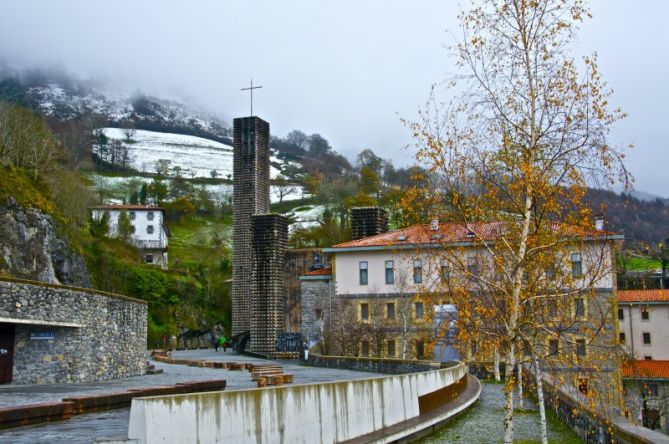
42,335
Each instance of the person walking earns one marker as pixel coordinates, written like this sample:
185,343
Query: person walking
222,342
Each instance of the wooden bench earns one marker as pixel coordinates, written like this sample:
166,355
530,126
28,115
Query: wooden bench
280,379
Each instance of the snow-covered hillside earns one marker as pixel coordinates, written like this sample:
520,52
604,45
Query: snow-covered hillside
78,100
196,156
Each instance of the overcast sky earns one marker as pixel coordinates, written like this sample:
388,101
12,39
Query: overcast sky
347,69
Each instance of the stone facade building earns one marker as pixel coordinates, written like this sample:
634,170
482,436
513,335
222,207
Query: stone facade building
646,393
56,334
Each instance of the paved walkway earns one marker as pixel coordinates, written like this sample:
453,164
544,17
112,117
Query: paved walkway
85,428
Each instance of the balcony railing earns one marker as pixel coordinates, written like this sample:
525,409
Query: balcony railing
150,244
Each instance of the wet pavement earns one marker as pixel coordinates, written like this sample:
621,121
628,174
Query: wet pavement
85,428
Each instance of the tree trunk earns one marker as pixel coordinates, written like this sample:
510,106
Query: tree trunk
508,396
540,398
495,358
519,370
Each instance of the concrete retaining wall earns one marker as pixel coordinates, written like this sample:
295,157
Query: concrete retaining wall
312,413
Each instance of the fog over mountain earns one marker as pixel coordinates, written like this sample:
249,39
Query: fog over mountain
348,70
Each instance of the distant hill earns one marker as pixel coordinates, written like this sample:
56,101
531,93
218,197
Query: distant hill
62,97
641,221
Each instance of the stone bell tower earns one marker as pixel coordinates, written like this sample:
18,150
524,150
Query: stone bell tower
250,196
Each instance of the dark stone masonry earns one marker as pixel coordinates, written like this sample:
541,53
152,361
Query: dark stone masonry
66,334
270,242
250,196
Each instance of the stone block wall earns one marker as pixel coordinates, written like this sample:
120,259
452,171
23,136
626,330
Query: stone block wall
250,196
375,365
368,221
270,242
317,293
96,335
298,263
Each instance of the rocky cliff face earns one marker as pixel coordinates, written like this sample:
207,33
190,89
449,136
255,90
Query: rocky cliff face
32,248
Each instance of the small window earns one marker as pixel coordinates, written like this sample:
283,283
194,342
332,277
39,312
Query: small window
648,358
646,338
472,266
553,347
445,273
391,348
621,314
549,272
645,315
149,229
583,385
363,273
621,337
319,314
149,215
390,310
420,349
148,258
652,389
576,265
132,215
417,271
580,347
473,348
579,308
364,349
364,312
390,272
552,310
419,310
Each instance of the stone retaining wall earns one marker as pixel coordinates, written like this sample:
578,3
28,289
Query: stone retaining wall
589,427
92,336
375,365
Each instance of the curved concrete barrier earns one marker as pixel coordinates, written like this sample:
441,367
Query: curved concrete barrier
310,413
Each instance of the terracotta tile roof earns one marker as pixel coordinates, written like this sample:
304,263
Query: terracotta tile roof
422,234
643,296
127,207
647,369
320,272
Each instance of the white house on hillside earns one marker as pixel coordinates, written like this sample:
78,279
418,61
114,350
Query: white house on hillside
150,233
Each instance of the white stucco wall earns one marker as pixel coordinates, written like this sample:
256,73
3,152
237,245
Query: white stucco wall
596,260
311,413
141,222
634,327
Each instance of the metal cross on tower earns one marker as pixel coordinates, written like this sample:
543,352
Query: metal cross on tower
250,89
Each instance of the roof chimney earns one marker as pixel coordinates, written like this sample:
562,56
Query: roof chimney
599,222
434,224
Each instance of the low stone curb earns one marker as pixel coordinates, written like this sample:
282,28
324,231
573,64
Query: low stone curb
54,411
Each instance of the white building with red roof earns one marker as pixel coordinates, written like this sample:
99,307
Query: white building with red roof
150,233
643,321
385,286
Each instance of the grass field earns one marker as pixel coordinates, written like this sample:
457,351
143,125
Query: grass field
638,263
198,235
